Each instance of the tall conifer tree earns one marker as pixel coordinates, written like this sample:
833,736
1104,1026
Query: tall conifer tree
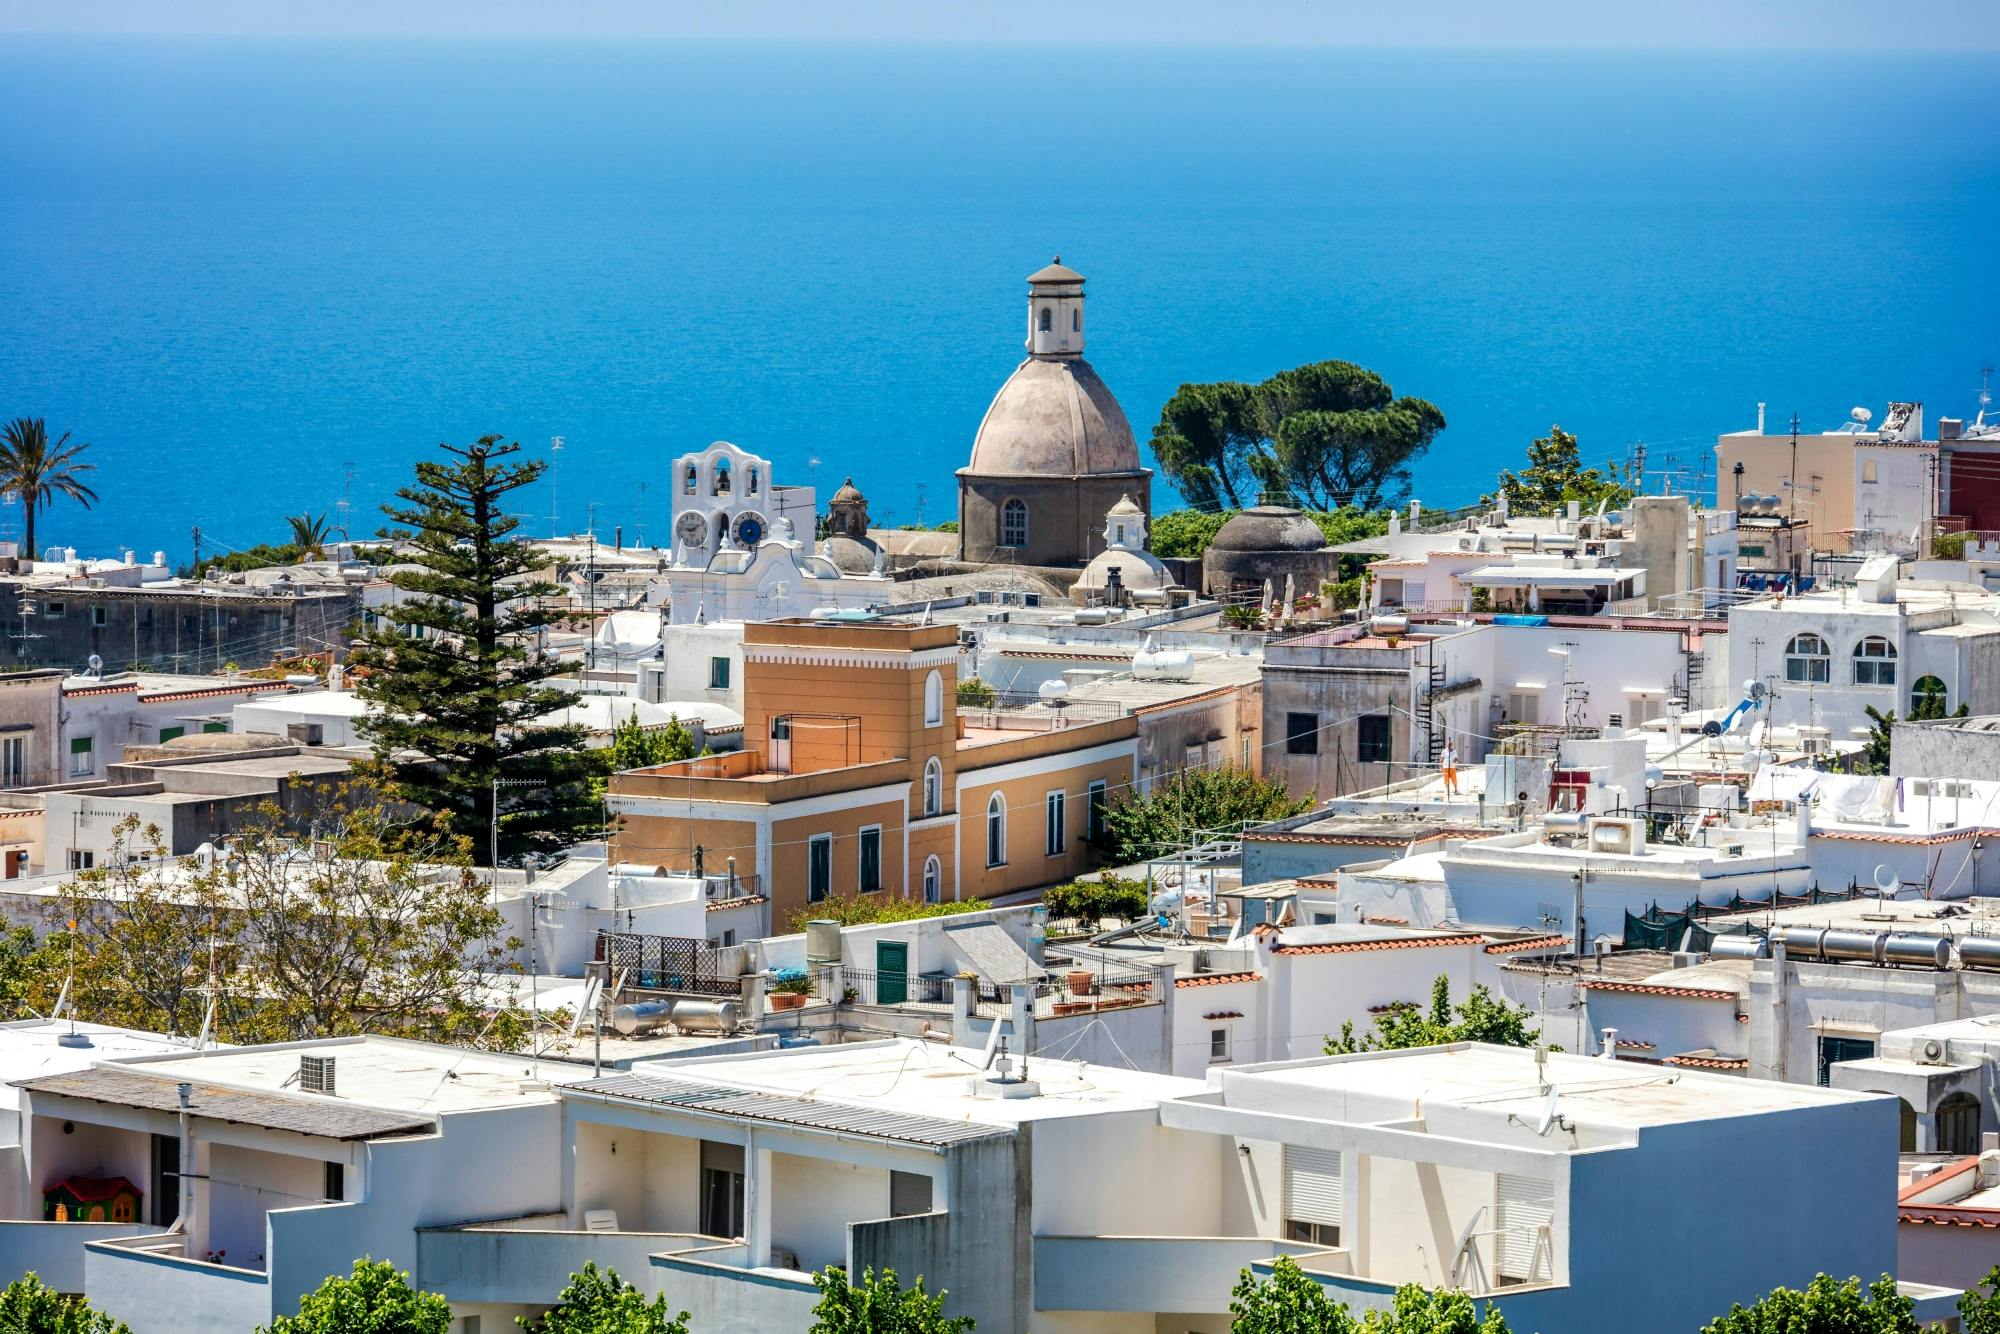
458,673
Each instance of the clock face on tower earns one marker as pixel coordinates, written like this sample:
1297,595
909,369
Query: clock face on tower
750,530
692,530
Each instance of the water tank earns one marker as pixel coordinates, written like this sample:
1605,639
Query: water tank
1054,692
1979,951
644,1017
1922,951
707,1016
1739,947
822,942
1389,625
1813,942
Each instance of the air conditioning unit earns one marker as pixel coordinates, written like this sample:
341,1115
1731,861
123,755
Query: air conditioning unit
316,1074
1933,1051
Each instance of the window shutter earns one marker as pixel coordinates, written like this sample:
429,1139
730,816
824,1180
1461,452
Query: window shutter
1527,1204
1312,1185
80,745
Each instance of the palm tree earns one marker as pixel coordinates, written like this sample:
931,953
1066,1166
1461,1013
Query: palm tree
309,534
37,471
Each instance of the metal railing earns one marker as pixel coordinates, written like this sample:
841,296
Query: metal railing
666,963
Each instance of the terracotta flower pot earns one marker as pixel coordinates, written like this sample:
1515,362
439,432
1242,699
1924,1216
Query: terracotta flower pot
1082,983
786,1000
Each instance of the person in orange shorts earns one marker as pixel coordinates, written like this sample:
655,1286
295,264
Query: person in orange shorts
1448,764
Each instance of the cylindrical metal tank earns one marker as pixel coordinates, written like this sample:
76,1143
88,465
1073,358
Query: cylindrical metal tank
1801,942
1920,950
1739,947
643,1017
1979,951
1852,946
707,1016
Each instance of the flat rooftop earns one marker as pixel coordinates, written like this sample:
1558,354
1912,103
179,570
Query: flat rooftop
931,1080
416,1077
30,1048
1958,917
1504,1081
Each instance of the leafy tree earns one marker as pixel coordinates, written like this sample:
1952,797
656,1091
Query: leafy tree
1210,441
865,909
974,693
1483,1018
375,1300
456,676
1342,436
1925,706
1185,534
18,965
635,746
599,1302
1979,1312
250,558
1826,1306
35,472
1555,475
363,934
1286,1303
309,534
879,1305
1291,1303
1190,802
30,1306
1331,433
1928,701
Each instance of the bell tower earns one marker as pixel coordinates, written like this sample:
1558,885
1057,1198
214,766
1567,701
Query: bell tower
1055,311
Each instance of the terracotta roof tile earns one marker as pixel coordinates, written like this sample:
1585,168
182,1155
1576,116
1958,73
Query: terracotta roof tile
1360,946
742,902
1922,1184
1941,1216
1224,1014
1534,945
1654,989
1214,979
1637,1045
1387,921
1709,1062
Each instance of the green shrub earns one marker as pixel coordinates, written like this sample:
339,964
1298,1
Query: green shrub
974,693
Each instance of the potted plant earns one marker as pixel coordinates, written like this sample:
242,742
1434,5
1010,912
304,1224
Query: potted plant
1082,982
790,994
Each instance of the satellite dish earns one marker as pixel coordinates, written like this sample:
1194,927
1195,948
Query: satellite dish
1887,881
1757,735
1547,1119
1711,728
1756,689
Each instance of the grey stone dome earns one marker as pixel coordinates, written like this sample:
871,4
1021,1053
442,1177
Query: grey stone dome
1269,528
851,555
1054,418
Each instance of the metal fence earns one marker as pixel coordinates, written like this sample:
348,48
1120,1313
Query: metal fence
665,963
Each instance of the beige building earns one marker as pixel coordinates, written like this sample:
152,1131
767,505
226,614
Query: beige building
859,775
1861,487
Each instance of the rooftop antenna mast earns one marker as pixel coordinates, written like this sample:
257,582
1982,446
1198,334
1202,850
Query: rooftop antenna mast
1985,396
555,458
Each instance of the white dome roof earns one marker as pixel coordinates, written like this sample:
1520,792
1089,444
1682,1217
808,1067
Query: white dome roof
1053,418
1140,571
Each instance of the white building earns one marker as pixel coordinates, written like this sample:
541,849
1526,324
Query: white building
725,496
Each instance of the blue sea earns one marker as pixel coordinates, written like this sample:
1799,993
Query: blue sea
262,277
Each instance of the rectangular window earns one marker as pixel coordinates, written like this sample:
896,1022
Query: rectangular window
1218,1045
909,1193
1413,593
53,610
1527,1209
169,733
14,761
336,1182
1832,1051
871,858
1056,834
1371,744
721,1189
98,616
81,859
1312,1195
1191,756
718,673
166,1201
215,727
82,756
1094,815
1524,707
819,867
1868,471
1301,734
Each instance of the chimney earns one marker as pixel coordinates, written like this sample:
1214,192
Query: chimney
1760,419
1610,1052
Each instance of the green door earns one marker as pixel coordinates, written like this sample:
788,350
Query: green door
892,972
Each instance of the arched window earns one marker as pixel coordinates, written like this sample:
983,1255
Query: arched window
933,786
693,483
996,831
934,700
1874,662
933,880
1014,523
722,477
1957,1125
1807,659
1928,699
1076,320
750,481
1047,319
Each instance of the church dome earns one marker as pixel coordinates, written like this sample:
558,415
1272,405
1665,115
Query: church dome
848,494
851,555
1269,528
1054,418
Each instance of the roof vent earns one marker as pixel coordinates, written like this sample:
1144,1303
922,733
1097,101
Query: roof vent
316,1074
73,1039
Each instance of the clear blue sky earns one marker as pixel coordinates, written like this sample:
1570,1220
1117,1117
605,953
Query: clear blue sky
1749,25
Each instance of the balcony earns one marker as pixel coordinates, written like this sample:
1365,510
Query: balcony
1176,1275
55,1250
149,1282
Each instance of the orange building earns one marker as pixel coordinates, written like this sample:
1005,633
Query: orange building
859,776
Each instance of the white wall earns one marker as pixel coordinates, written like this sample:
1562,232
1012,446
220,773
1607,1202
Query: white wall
814,1199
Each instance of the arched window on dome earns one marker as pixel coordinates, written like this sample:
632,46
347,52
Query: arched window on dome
996,831
933,787
934,700
1014,522
1048,318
